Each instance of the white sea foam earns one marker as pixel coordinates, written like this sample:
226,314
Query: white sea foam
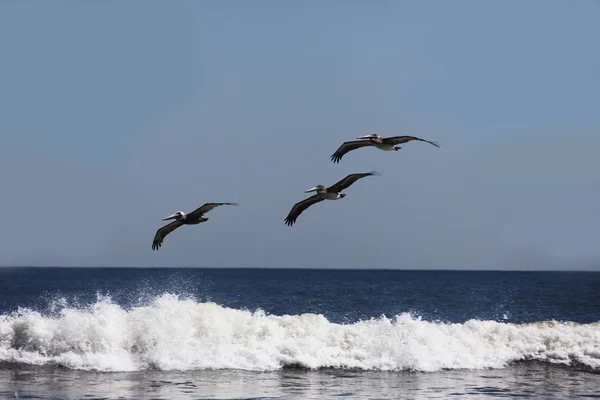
171,333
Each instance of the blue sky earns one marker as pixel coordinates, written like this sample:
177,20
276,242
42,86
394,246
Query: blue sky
116,114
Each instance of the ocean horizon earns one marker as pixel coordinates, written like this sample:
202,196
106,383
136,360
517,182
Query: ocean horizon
592,267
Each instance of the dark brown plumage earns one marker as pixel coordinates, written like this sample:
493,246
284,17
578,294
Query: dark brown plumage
181,218
323,193
387,144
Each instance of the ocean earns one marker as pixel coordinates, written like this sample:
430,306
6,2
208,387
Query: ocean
167,333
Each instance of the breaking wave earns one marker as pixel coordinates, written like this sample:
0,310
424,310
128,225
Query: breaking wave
171,333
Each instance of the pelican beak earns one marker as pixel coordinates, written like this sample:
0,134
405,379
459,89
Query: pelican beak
311,190
172,216
365,137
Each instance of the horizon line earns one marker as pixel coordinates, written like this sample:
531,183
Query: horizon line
311,268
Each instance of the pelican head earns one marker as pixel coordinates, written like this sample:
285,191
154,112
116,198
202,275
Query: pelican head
315,189
176,215
370,136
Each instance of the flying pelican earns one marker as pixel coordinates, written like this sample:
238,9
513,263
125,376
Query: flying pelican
386,144
323,193
181,218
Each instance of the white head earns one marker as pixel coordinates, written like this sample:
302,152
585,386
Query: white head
176,215
315,189
370,136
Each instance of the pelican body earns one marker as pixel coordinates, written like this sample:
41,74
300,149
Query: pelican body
324,193
186,219
194,218
374,140
377,141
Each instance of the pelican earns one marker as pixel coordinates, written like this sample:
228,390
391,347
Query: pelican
386,144
323,193
181,218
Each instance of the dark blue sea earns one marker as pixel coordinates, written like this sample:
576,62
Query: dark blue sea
134,333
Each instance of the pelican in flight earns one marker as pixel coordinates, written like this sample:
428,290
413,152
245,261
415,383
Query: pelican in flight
181,218
323,193
386,144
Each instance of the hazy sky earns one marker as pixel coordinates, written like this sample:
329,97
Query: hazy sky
115,114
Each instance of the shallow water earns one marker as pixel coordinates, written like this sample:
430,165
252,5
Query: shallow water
529,379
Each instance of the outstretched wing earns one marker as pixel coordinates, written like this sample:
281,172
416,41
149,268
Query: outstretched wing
349,180
348,146
164,231
198,212
300,207
405,139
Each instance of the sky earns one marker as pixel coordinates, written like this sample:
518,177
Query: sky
115,114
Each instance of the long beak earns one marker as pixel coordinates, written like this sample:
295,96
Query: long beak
365,137
311,190
172,216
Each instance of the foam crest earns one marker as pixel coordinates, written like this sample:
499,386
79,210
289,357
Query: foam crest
176,334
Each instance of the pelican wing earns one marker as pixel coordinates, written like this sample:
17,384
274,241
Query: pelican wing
349,146
164,231
349,180
405,139
198,212
300,207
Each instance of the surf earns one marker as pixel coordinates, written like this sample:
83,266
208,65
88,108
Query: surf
174,333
